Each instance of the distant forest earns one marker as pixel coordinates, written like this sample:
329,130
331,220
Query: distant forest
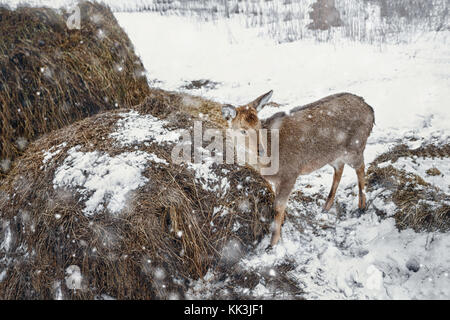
290,20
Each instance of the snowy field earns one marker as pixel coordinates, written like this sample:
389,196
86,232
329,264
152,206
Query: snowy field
407,85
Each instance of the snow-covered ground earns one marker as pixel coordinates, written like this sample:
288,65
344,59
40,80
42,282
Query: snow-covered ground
407,85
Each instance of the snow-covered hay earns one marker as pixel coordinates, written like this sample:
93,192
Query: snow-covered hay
97,209
419,204
56,69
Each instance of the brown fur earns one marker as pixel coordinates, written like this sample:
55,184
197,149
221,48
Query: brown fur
246,118
333,130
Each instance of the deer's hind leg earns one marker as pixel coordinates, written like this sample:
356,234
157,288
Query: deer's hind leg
360,172
338,169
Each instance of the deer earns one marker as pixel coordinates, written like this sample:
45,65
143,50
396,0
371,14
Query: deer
331,131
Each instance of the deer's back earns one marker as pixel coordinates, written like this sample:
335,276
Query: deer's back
317,134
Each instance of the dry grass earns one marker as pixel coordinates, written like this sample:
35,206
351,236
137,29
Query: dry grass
121,256
181,108
433,172
52,76
402,150
420,206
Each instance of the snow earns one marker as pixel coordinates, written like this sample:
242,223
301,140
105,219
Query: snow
7,240
205,176
103,181
251,65
73,278
2,275
53,151
58,291
159,274
21,142
5,165
134,128
360,259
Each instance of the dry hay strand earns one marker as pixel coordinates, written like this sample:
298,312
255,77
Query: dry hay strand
171,230
51,76
419,205
424,151
172,105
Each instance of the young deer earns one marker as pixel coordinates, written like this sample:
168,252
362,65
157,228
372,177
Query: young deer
333,131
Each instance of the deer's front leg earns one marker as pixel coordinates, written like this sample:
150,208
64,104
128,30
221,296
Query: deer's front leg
276,226
284,190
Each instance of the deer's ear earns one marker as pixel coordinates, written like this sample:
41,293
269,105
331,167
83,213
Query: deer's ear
261,101
228,112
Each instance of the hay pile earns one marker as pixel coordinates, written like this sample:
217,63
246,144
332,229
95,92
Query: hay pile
418,204
182,108
60,237
51,76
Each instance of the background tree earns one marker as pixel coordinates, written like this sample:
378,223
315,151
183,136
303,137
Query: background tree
324,15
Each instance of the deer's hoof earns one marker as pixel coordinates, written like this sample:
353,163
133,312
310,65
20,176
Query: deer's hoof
360,212
269,248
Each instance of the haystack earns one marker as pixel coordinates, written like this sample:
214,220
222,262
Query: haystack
98,209
51,76
418,204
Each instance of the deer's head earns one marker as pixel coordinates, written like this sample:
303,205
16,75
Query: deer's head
245,117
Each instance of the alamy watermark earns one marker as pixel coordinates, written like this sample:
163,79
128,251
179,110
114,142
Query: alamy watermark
74,20
230,146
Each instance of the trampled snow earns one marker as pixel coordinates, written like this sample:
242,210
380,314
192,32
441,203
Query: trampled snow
362,258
